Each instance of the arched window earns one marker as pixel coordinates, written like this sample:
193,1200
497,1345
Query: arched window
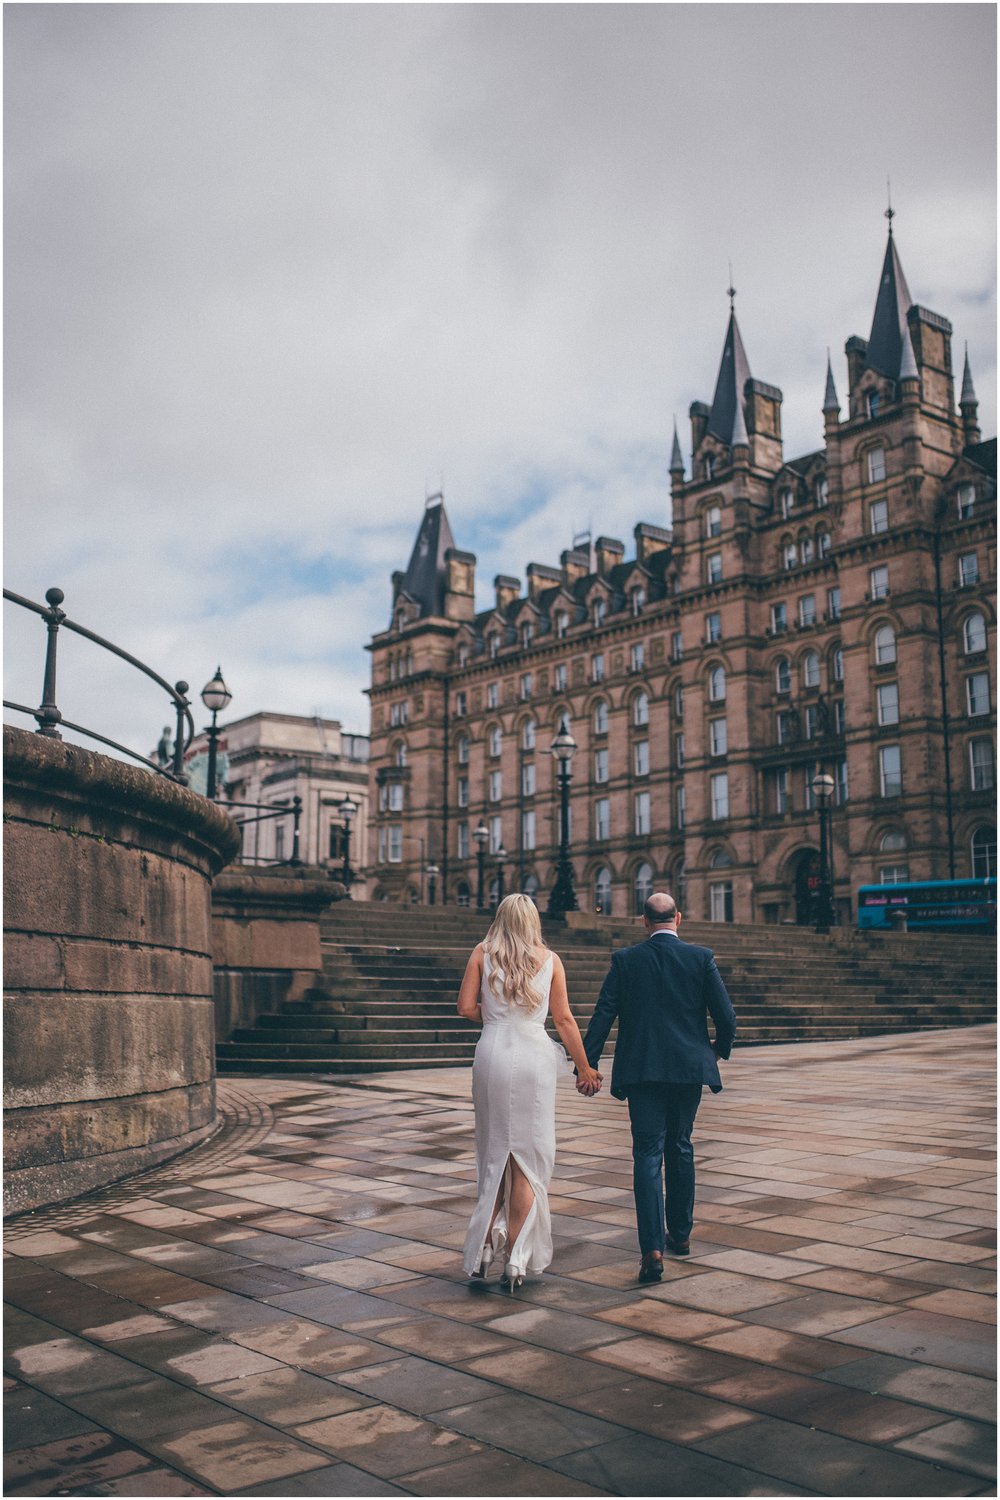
602,890
721,860
974,633
885,645
640,709
984,853
643,886
717,685
600,717
401,753
782,675
837,664
462,749
789,556
822,493
892,842
805,548
810,669
875,465
496,740
528,735
823,544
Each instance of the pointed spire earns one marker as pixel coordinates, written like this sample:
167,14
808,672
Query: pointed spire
907,360
739,438
885,343
424,579
830,399
968,396
676,457
734,372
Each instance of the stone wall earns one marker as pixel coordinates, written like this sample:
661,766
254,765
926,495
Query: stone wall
265,939
108,1011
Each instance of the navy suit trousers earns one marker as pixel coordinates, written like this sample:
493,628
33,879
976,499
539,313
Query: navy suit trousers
662,1118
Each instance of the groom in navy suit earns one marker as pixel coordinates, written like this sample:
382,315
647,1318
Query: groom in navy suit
662,991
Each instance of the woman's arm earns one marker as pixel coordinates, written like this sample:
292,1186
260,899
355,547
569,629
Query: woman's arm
472,983
569,1031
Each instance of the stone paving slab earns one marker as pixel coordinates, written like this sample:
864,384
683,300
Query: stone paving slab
283,1311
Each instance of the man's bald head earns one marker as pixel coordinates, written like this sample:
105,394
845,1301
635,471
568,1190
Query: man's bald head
660,909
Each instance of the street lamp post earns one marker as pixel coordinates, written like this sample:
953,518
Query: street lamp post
432,877
216,697
347,809
501,856
563,895
823,786
482,838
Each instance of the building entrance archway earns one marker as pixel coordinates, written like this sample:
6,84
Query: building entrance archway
806,887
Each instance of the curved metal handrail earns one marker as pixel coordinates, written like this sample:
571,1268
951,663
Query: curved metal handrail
48,714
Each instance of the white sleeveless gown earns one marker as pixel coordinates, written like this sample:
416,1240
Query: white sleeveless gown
514,1094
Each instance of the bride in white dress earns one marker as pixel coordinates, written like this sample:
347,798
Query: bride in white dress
512,981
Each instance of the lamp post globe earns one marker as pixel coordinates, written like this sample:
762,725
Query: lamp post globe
563,895
216,697
482,838
347,810
823,787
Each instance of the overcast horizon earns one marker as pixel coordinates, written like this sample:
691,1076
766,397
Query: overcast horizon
275,273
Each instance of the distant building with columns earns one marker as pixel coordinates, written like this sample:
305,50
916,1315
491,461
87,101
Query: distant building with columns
834,610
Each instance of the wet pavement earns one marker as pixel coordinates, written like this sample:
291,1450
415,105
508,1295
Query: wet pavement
284,1312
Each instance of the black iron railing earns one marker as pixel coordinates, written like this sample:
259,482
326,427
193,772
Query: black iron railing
267,812
48,715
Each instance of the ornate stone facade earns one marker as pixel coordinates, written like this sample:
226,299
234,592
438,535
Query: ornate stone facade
833,610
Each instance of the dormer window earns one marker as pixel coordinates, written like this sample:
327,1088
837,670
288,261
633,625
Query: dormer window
494,644
400,620
822,494
872,403
785,502
713,520
966,499
638,601
599,609
709,465
527,633
562,624
463,656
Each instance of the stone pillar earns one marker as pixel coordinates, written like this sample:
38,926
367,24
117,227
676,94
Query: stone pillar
108,1014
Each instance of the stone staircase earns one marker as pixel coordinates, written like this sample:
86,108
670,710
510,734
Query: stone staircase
391,976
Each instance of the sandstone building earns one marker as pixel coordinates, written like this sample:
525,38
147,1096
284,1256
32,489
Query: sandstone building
836,609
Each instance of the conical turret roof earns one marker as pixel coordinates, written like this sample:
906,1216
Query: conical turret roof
676,457
885,343
968,396
734,372
425,577
831,401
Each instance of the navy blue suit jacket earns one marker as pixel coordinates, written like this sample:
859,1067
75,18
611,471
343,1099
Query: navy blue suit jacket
662,991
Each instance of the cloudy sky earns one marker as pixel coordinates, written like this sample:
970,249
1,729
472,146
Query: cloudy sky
275,273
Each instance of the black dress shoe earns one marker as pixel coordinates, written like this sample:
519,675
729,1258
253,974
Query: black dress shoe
678,1247
651,1267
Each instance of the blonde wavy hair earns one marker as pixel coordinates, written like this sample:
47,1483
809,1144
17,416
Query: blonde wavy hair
511,942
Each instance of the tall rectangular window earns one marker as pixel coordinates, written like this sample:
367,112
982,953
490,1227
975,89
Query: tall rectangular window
559,678
966,499
977,694
492,694
602,818
968,569
713,521
878,582
528,829
678,750
676,645
890,766
601,765
637,657
527,685
713,627
833,604
713,567
462,786
496,834
840,777
381,846
528,779
876,465
640,758
597,667
807,610
719,784
642,821
720,901
779,618
395,843
462,837
810,721
782,801
878,517
717,737
887,694
396,795
496,786
981,764
680,805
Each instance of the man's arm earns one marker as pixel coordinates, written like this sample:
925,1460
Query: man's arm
604,1015
720,1008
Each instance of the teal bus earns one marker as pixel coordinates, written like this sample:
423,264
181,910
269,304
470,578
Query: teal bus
942,905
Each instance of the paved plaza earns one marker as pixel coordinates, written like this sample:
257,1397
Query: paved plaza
284,1312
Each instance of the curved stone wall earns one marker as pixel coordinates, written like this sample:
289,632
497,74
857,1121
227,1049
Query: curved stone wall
108,1012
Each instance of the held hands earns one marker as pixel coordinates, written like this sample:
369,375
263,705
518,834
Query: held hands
589,1082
